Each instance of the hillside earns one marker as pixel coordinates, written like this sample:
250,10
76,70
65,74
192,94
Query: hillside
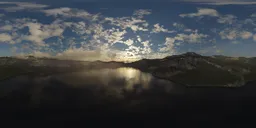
195,70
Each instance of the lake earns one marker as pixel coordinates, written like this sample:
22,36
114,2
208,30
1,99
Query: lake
119,92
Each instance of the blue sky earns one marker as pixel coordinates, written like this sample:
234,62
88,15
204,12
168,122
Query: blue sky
126,30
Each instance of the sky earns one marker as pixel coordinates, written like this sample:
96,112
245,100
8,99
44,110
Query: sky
126,30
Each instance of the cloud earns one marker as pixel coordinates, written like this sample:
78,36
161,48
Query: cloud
202,12
128,42
70,12
19,6
4,37
157,29
2,15
232,3
232,34
222,2
81,54
128,22
254,37
141,12
40,32
246,35
228,34
146,47
223,19
253,15
191,38
139,38
113,36
227,19
169,45
6,28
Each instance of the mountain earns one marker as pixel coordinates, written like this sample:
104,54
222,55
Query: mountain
192,69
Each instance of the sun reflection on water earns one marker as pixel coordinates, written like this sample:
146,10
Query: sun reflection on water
126,78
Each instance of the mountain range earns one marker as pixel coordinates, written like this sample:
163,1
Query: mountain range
190,69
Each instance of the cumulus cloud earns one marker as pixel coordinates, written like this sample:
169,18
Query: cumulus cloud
141,12
157,29
146,47
40,32
139,38
169,45
232,34
128,42
191,38
246,35
254,37
228,34
4,37
6,28
202,12
223,19
128,22
179,26
113,36
21,6
70,12
227,19
222,2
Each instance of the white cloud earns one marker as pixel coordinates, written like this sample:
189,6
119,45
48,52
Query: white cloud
202,12
232,34
4,37
128,22
179,26
128,42
22,6
169,45
146,47
69,12
139,38
246,35
157,29
188,30
222,2
114,35
227,19
6,28
191,38
232,3
141,12
229,34
223,19
254,37
40,32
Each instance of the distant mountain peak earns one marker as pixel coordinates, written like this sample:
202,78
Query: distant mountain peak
191,54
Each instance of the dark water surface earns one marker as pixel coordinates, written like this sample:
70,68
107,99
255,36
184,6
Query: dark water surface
123,92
